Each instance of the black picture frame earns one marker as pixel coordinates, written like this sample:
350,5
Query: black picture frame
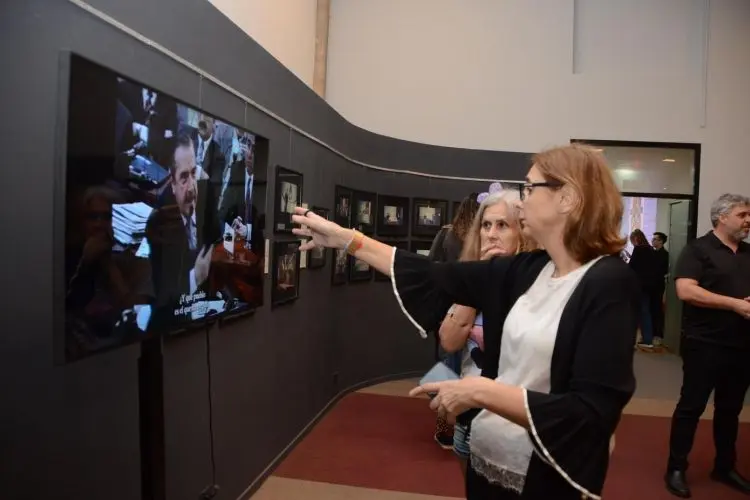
392,208
401,244
339,267
356,272
285,290
316,258
288,194
421,247
439,217
342,206
364,211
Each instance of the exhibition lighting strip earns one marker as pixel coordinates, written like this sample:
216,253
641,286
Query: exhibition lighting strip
163,50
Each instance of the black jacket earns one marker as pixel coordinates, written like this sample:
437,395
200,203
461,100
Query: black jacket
592,364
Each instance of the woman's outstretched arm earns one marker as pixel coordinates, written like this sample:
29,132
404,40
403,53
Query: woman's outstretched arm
328,234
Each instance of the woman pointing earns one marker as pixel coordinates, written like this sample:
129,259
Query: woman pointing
559,329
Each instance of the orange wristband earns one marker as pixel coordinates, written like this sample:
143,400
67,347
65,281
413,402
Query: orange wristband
358,240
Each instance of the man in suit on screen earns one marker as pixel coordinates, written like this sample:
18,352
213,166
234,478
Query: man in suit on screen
180,234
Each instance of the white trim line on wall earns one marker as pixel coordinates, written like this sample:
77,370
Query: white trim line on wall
203,74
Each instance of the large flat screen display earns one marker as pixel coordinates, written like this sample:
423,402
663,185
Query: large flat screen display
163,227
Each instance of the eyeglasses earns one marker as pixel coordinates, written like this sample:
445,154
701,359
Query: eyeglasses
528,187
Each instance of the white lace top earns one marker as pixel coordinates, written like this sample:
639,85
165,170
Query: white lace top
501,450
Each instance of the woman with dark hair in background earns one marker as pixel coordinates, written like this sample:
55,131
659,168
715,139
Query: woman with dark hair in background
447,247
559,328
644,262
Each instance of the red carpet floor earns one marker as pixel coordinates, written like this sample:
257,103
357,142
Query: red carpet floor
385,442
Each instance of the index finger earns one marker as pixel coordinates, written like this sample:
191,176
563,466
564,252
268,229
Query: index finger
430,388
311,220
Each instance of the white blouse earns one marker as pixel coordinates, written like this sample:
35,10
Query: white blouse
501,450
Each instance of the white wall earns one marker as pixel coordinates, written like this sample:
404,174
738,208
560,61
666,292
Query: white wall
522,75
285,28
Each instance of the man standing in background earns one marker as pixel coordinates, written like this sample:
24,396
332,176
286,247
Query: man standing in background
712,277
657,299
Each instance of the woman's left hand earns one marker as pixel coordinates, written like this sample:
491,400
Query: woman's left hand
453,397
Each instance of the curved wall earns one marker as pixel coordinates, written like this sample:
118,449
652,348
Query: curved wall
522,76
72,431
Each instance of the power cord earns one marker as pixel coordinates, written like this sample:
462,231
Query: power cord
211,491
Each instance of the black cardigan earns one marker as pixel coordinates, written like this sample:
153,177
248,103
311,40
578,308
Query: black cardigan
592,362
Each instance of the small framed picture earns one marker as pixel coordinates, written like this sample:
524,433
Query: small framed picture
316,258
285,272
428,217
393,216
421,247
342,211
403,245
288,196
364,206
340,267
359,270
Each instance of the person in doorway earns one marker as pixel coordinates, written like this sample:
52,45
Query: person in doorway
657,298
712,278
643,262
559,328
496,231
447,247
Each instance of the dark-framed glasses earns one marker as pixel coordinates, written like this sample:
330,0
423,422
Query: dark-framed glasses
528,187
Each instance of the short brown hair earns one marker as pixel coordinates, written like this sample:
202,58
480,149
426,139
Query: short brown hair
593,227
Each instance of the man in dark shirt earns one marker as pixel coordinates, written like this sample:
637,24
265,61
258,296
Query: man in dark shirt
657,298
713,279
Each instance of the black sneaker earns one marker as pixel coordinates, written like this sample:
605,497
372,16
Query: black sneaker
445,440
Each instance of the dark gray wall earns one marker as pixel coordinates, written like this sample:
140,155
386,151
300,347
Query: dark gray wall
72,431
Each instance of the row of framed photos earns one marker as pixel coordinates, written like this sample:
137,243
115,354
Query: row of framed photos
285,272
386,215
370,213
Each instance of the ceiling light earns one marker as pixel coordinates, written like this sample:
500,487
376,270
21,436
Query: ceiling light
626,173
668,160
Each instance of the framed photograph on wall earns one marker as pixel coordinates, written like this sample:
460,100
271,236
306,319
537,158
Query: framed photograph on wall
285,272
316,258
288,196
421,247
342,207
340,267
403,245
428,216
359,270
364,205
393,216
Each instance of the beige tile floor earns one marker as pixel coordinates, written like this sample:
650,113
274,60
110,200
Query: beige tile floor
659,379
279,488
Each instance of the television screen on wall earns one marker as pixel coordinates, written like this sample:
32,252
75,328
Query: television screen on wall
163,228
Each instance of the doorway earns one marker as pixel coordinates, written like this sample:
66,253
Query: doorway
659,185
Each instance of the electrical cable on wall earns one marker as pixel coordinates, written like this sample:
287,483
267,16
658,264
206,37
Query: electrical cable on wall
212,490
